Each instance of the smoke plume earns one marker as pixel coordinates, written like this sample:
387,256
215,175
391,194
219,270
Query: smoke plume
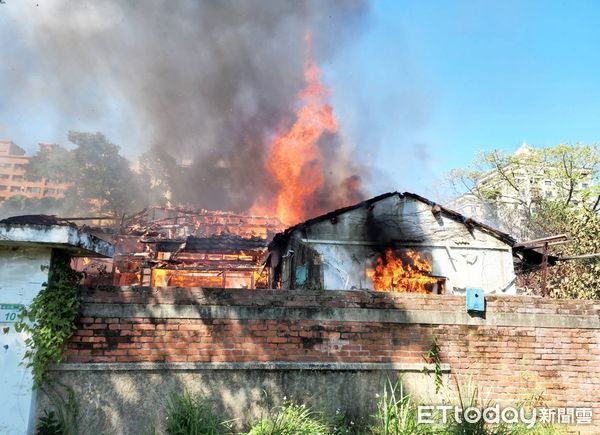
212,81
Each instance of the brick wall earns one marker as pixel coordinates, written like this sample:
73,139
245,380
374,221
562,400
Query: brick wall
523,346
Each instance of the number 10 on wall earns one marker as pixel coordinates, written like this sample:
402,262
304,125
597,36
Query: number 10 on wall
9,313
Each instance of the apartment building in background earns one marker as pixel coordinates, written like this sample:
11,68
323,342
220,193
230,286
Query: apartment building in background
13,163
516,198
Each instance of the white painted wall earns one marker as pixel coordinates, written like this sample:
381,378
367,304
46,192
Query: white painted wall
21,278
466,258
491,270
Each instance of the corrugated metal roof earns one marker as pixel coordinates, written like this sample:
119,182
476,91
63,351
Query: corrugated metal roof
223,243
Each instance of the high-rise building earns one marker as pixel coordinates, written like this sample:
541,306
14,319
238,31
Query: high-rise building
13,164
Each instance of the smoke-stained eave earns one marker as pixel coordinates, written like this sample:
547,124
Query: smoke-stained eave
281,239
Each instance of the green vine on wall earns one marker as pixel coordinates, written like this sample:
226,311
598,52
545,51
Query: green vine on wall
50,319
433,357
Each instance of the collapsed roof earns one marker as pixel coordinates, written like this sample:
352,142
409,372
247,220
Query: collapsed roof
221,243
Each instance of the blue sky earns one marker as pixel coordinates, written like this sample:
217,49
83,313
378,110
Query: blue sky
427,84
445,79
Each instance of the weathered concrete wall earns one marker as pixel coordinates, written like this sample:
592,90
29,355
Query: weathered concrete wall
21,278
25,257
134,346
64,237
126,401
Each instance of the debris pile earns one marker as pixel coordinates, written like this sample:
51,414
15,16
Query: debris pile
188,248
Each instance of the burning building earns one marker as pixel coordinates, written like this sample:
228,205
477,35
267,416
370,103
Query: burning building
192,248
393,242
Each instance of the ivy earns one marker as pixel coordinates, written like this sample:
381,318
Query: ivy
50,319
433,357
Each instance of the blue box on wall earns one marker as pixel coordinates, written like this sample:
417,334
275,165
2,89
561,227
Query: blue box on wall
475,300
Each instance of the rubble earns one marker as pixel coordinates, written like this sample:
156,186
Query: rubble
190,248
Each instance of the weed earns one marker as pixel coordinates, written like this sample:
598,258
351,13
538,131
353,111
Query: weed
187,415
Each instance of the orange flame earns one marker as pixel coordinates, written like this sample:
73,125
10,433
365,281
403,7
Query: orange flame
160,277
392,274
295,161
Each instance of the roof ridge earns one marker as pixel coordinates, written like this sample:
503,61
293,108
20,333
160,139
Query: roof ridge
507,238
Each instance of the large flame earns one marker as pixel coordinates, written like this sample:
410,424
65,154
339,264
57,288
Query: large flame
295,161
392,274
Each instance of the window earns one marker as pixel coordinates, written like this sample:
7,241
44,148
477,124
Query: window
15,189
4,176
548,183
17,178
3,187
584,185
33,189
20,166
5,165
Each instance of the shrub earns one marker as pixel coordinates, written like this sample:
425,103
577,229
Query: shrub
49,425
292,419
51,317
187,415
535,400
63,418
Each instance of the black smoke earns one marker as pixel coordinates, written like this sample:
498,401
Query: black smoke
211,81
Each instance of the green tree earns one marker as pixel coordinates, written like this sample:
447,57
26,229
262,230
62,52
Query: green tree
504,182
510,184
575,278
51,162
157,174
570,167
102,181
102,178
20,205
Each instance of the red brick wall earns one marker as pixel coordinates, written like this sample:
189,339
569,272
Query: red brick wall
509,363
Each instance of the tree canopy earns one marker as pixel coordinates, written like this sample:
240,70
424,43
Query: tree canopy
505,182
497,178
102,181
19,205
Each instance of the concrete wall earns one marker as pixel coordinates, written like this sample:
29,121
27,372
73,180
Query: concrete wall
21,278
63,237
135,346
128,401
25,257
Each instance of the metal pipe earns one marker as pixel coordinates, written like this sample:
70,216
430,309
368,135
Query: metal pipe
579,257
544,269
